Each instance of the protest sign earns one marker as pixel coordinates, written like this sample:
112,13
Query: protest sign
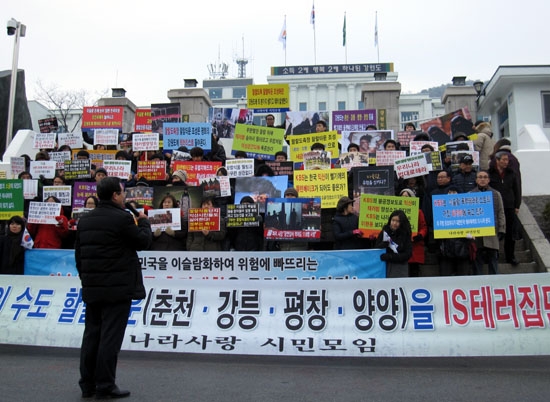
73,140
285,168
411,166
102,117
434,160
44,141
456,157
43,168
60,158
353,120
295,219
298,144
216,186
106,136
458,215
118,168
260,188
258,142
48,125
240,167
204,219
62,193
224,120
415,147
81,191
304,122
373,180
11,198
317,160
268,98
162,113
142,120
375,210
145,142
329,185
44,212
30,189
77,169
163,218
368,141
388,158
196,171
349,160
440,128
152,170
188,135
243,215
17,164
140,194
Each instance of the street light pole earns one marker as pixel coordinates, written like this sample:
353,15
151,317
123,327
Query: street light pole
17,29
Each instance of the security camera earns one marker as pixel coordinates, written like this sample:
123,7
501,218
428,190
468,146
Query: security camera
12,27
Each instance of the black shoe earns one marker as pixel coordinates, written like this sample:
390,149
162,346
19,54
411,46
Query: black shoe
87,394
514,262
115,393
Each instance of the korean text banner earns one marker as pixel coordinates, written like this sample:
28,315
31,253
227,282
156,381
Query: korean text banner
187,135
270,98
375,210
303,142
258,141
307,265
353,120
456,215
11,196
470,316
102,117
143,120
328,185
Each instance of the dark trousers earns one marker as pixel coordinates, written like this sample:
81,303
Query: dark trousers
509,243
105,325
488,255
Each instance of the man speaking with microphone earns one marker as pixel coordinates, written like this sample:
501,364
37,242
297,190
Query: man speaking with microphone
107,241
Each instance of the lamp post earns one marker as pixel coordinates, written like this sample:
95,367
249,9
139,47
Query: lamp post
18,29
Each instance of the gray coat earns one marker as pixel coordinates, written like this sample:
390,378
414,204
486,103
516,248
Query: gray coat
500,220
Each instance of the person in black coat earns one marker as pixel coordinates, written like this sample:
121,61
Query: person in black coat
345,227
399,248
12,257
107,241
247,238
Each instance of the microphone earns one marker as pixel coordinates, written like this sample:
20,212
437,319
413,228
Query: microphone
131,208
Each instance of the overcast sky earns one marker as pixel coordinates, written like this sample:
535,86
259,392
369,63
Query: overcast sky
149,47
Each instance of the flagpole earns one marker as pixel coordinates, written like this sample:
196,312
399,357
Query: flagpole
376,37
345,38
314,36
285,40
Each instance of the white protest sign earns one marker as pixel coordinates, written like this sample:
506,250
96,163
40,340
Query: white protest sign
44,141
145,142
106,136
17,165
387,158
411,166
44,212
415,147
60,158
116,168
43,168
74,140
62,193
30,189
162,218
240,167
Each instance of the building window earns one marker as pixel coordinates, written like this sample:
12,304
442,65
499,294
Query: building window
360,105
302,106
407,117
215,93
341,105
546,108
239,93
322,106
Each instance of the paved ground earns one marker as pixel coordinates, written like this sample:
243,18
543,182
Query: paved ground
51,374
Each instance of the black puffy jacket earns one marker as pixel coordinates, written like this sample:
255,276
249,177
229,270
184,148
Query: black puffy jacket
106,257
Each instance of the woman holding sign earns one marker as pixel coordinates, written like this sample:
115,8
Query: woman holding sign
395,238
50,236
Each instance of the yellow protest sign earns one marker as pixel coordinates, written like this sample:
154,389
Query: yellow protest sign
374,211
328,185
270,98
258,141
302,143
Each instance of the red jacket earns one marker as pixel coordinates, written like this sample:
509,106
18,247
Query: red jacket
49,236
418,255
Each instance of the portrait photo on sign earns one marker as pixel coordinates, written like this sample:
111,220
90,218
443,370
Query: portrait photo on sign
368,141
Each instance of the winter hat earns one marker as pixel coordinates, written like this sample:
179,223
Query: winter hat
102,170
181,174
467,159
408,191
291,191
343,203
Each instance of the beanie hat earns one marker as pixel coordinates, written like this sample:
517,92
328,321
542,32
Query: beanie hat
407,191
291,191
343,203
181,174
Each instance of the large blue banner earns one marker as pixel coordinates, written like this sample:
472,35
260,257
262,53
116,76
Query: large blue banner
345,264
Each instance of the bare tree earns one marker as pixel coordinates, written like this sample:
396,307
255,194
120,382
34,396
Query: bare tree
62,103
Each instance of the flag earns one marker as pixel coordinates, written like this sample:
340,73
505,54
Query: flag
392,245
26,241
376,30
312,20
344,31
282,36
